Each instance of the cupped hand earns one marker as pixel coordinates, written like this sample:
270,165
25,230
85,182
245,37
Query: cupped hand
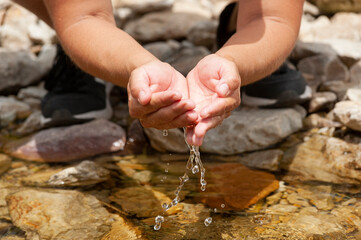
158,96
214,86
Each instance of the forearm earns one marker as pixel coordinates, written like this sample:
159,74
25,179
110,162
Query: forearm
259,48
103,50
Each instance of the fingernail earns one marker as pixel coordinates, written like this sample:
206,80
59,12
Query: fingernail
193,115
141,96
223,89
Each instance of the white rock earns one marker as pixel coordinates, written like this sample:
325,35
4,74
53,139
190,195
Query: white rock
31,92
41,33
349,113
199,7
353,94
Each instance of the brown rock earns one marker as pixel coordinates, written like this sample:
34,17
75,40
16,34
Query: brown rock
324,159
355,72
236,186
122,230
69,143
58,214
136,139
318,120
5,163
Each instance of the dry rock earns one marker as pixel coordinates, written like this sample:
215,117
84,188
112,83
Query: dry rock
322,101
334,6
353,94
236,186
173,142
31,92
324,159
162,50
143,6
203,34
58,214
41,33
162,26
69,143
31,124
355,72
319,120
5,163
21,68
349,113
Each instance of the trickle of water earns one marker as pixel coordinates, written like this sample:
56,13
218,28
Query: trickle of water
195,169
165,132
208,221
158,222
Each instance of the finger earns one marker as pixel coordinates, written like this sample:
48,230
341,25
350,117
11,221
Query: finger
158,100
219,107
168,114
186,119
228,84
138,86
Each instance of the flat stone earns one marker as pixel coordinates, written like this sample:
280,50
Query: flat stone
324,159
143,201
69,143
21,68
297,200
5,163
348,113
31,124
250,129
236,186
58,214
82,174
322,101
144,6
266,160
168,25
31,92
281,209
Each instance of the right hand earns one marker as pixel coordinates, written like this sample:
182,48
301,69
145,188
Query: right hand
158,96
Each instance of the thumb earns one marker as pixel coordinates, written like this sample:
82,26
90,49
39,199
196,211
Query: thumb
138,86
228,84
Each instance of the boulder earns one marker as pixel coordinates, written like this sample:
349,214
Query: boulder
69,143
162,26
325,159
58,214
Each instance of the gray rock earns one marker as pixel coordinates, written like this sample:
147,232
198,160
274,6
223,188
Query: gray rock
355,72
251,129
10,109
322,101
187,57
32,92
266,160
58,214
323,158
31,124
161,50
143,6
323,68
162,26
308,49
173,142
349,113
69,143
203,34
5,163
338,87
21,68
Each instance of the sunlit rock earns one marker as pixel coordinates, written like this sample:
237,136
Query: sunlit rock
168,25
69,143
58,214
203,34
121,229
143,6
173,142
31,124
234,186
5,163
82,174
322,101
349,113
324,159
319,120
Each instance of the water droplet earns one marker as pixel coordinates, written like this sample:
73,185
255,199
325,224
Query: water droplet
207,221
203,182
166,170
165,133
223,205
159,219
165,206
195,169
175,201
203,188
215,210
185,178
157,227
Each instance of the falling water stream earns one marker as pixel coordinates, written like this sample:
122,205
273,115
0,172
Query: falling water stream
194,164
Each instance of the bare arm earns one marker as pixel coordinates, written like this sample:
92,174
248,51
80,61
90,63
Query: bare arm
87,31
266,33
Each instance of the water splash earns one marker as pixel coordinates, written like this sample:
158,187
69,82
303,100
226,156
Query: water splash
158,222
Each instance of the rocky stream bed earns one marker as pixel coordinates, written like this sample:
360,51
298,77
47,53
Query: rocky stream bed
292,173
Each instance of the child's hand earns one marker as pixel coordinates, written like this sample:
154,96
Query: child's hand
214,86
158,96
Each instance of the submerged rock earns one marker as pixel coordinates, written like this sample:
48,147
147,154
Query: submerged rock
122,230
69,143
143,201
173,142
324,159
234,186
58,214
5,163
266,160
85,173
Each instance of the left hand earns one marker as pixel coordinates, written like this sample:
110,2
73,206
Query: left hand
214,85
